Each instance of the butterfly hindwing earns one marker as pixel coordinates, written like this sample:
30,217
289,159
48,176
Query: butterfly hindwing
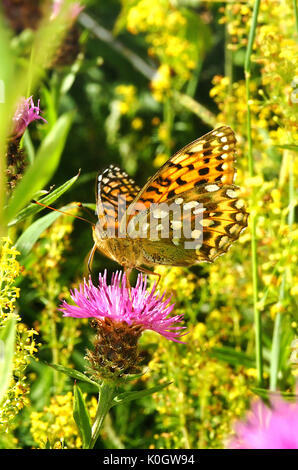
197,225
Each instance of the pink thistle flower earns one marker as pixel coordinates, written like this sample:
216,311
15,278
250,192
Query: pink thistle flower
268,428
136,307
26,113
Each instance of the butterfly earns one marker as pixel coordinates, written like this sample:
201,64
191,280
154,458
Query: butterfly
188,212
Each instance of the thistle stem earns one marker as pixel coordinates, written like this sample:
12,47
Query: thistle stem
254,258
105,398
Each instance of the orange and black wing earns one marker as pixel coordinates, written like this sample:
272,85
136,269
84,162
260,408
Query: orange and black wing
115,190
209,159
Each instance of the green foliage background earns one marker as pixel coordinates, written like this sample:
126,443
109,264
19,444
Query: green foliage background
149,77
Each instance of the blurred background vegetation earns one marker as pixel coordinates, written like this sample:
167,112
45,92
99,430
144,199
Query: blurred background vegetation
136,80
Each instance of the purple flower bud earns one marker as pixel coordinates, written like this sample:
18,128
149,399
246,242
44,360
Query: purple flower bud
26,113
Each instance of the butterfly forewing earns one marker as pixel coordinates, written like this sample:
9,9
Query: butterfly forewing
115,190
208,159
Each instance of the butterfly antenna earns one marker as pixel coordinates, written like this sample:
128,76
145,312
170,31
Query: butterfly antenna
63,212
81,206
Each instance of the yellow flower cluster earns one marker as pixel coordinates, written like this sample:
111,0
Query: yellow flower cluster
50,250
205,395
55,425
237,18
274,108
167,31
9,271
127,101
25,345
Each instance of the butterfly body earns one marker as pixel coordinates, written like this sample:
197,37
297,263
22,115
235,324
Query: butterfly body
188,212
125,251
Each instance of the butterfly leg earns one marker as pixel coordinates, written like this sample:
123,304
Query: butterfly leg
147,271
90,260
127,273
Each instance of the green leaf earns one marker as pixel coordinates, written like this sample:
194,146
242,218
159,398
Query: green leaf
43,168
292,147
128,396
232,357
268,394
81,416
7,345
33,209
28,238
75,374
27,142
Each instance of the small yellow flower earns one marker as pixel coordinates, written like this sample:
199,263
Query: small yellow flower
160,159
137,123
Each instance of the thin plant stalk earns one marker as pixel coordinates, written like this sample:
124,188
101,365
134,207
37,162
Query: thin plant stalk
295,6
229,64
105,398
276,339
277,331
254,258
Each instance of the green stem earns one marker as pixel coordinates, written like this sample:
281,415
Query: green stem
277,331
105,398
254,258
195,107
275,352
193,83
295,6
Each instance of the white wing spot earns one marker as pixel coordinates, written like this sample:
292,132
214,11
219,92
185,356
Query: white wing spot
196,233
211,187
231,193
179,200
239,204
223,241
190,205
207,222
234,229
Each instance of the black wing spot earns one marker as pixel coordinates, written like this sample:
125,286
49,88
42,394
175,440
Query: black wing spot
203,171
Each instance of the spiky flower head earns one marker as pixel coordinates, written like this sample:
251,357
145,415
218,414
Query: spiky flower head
120,315
26,113
274,427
